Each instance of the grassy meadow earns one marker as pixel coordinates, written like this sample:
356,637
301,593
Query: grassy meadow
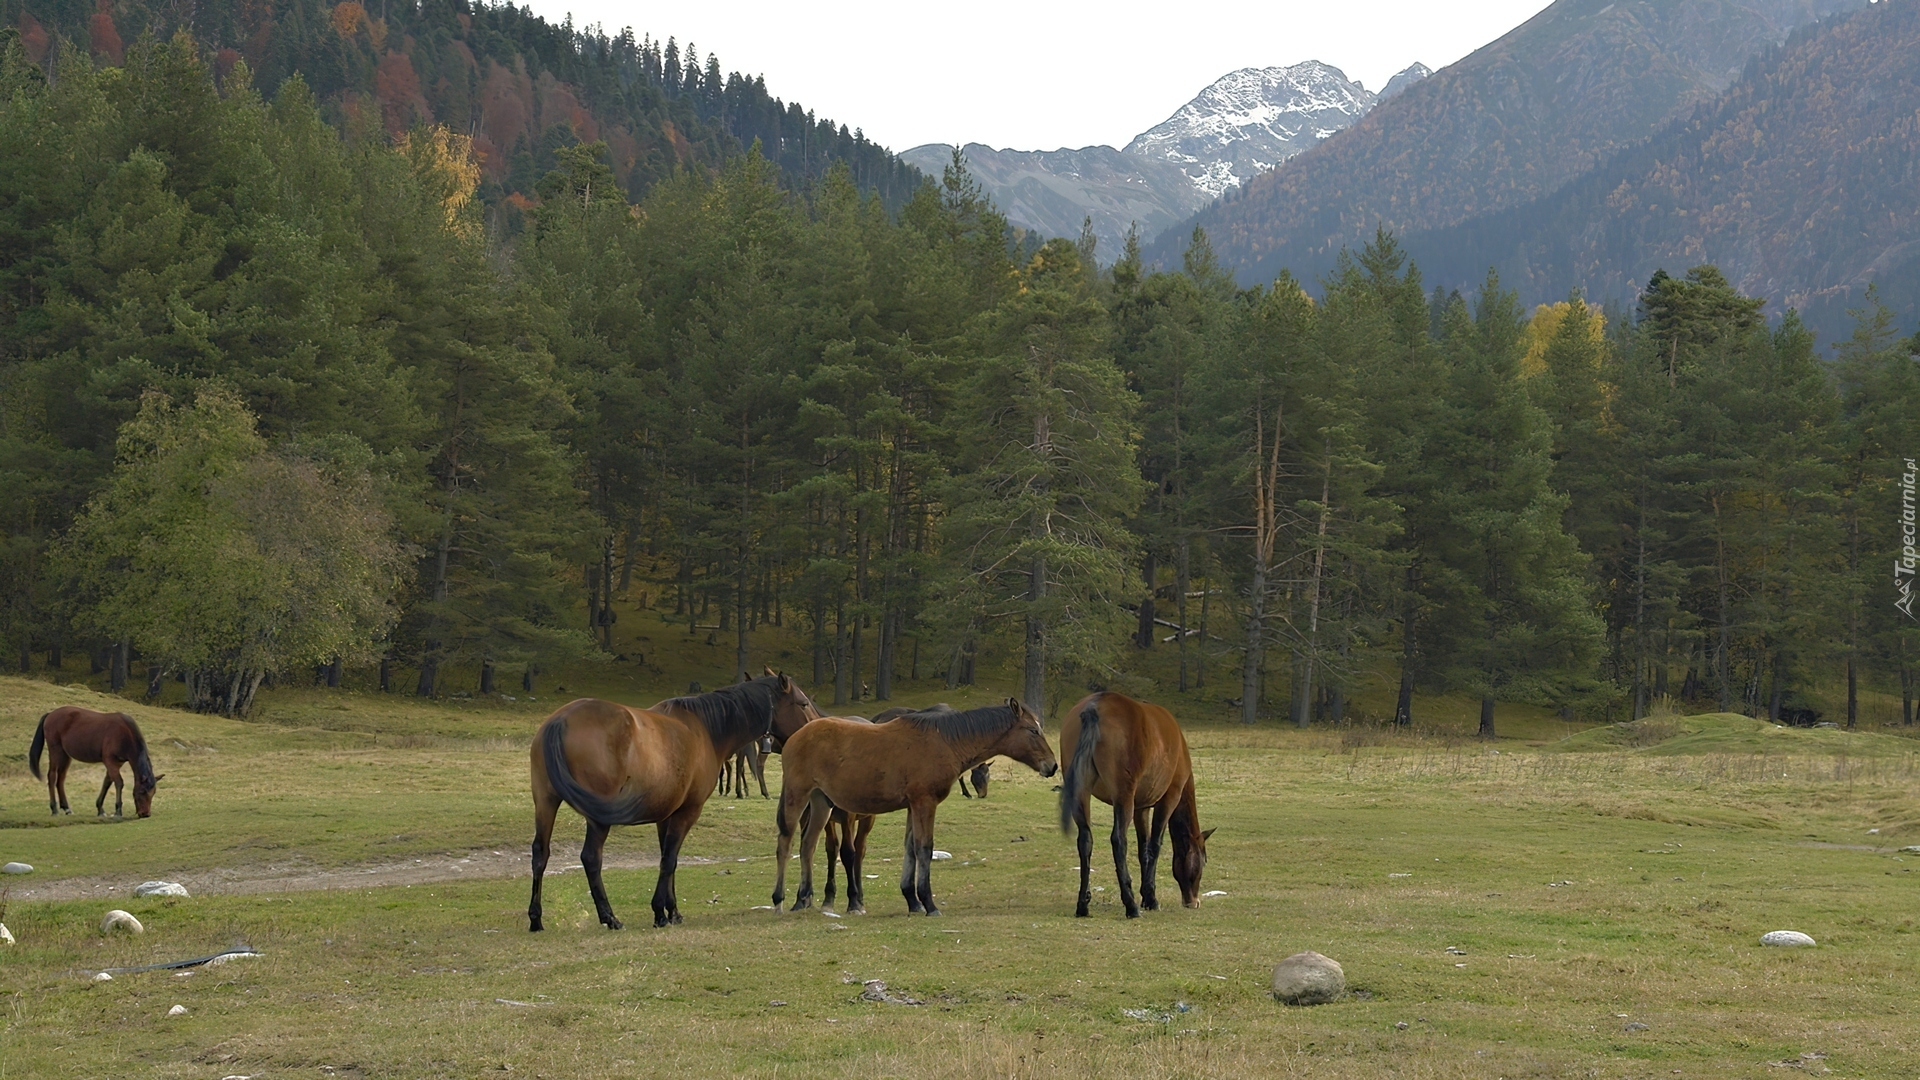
1566,902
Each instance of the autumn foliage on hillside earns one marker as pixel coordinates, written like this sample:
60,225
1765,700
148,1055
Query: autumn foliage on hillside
521,86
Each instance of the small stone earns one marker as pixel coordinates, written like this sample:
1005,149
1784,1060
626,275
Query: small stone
1400,1025
160,888
101,976
776,1004
1637,1026
16,868
177,1010
1308,978
939,855
1915,848
117,919
1787,938
6,935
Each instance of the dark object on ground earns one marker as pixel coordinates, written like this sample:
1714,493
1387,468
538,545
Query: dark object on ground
1799,716
172,965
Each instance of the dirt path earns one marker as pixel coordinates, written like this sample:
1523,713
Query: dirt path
220,881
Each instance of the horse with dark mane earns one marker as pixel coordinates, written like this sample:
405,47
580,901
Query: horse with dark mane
71,733
847,836
908,764
619,765
1133,756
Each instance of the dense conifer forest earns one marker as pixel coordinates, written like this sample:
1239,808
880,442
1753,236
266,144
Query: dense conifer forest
279,391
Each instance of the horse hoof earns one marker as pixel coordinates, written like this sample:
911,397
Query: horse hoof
1133,913
1150,905
535,928
674,918
801,905
1080,912
614,924
932,911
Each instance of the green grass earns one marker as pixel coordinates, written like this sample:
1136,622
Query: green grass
1677,863
1732,733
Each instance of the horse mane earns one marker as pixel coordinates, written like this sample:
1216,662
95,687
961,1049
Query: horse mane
970,724
142,763
741,709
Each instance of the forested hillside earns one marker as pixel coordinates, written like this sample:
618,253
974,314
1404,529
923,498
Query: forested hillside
519,86
1514,121
273,399
1801,183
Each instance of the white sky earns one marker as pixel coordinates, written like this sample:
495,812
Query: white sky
1041,74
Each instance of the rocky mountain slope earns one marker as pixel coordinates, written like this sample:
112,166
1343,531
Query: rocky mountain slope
1801,182
1242,125
1516,120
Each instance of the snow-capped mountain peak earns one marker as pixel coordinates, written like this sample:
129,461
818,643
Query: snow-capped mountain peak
1251,119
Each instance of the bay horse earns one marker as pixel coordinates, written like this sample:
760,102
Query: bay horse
847,837
752,758
71,733
909,763
1133,756
619,765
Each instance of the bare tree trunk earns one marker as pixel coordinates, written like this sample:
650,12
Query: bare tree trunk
1486,718
1303,695
1143,635
1034,692
386,674
1256,653
1724,661
841,669
118,677
1640,616
1409,647
1180,584
486,676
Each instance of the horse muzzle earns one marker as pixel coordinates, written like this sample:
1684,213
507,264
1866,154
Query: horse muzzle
1052,767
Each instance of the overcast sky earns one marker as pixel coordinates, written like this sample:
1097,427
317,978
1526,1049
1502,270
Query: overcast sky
1037,75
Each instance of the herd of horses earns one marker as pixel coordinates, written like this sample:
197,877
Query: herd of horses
618,765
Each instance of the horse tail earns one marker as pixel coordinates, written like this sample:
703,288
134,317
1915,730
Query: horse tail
1079,775
553,740
39,743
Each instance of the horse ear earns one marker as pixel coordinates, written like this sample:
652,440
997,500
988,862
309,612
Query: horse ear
159,778
1209,832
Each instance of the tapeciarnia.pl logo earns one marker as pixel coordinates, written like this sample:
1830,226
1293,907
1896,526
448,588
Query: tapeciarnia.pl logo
1904,566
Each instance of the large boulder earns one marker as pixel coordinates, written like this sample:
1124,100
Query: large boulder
1308,978
160,888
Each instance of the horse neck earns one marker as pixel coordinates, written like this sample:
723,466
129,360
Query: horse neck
1184,823
142,761
730,734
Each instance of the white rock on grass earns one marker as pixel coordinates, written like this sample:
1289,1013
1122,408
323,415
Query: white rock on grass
123,920
1788,938
1308,978
177,1010
16,868
160,888
939,855
6,935
101,976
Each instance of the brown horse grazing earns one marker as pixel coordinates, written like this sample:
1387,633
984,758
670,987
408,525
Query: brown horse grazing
623,766
71,733
1132,755
908,764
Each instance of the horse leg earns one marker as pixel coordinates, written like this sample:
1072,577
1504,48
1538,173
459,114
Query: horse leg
924,827
100,804
908,883
590,862
1084,840
819,817
56,781
855,854
759,762
835,832
786,817
1123,817
119,788
545,806
1149,837
673,833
